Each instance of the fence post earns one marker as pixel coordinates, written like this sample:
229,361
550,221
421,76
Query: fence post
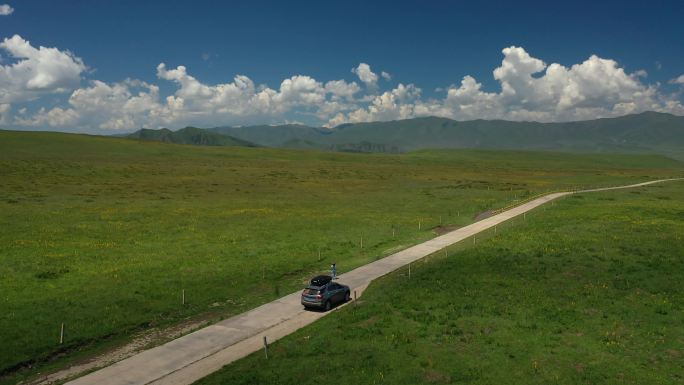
61,334
266,347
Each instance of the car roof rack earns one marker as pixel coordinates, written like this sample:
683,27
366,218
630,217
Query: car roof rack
320,280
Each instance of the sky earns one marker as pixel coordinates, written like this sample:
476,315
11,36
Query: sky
117,66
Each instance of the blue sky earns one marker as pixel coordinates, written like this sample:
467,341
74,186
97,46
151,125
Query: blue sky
427,48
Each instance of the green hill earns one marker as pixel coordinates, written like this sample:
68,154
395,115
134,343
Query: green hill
103,234
584,291
648,132
189,135
286,135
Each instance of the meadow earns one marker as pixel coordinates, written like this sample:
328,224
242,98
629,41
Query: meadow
105,234
587,290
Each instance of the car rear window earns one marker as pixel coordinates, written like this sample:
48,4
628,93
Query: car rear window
311,291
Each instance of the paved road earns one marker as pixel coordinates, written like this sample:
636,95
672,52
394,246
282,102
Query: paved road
191,357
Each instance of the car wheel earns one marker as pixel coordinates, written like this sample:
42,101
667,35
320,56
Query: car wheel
328,305
346,297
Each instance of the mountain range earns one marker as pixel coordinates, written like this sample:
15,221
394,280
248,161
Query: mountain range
189,135
648,132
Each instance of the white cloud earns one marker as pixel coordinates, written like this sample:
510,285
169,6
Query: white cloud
5,10
55,117
366,75
133,104
529,89
678,80
4,112
340,89
390,105
386,75
37,71
533,90
104,106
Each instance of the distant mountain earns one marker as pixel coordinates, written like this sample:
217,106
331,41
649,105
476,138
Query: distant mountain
648,132
275,136
189,135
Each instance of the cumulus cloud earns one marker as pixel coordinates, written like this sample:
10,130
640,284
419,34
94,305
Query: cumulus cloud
5,10
124,105
533,90
37,71
340,89
528,89
133,104
4,112
398,103
366,75
678,80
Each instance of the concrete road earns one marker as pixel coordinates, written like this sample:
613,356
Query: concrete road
191,357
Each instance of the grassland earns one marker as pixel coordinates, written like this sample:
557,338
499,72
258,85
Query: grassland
588,290
103,234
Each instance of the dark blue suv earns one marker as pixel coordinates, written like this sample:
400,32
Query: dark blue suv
323,293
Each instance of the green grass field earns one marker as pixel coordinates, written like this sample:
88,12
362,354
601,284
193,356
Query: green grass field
103,234
588,290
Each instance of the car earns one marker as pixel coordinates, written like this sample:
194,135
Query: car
323,292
